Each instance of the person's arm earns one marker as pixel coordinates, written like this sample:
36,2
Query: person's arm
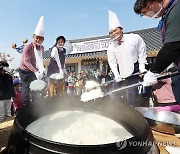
64,67
142,54
54,54
40,62
167,55
27,58
112,61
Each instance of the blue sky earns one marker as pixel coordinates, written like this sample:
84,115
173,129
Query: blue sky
74,19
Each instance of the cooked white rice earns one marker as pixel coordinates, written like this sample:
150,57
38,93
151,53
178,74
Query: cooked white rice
37,85
78,127
91,84
92,94
57,76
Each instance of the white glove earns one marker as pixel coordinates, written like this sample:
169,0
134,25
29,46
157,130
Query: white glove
150,78
142,68
117,78
43,74
39,75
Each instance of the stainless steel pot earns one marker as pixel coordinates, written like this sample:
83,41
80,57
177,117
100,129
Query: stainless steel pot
21,141
162,121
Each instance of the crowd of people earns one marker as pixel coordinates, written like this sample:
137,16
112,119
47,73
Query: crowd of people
75,84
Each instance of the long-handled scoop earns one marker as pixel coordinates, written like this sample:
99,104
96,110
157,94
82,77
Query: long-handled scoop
140,83
105,84
96,93
124,88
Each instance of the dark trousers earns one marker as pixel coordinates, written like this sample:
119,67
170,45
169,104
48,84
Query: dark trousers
26,77
130,96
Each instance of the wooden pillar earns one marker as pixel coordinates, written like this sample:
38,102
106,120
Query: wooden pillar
79,65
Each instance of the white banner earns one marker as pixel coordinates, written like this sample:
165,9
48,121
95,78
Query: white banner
91,46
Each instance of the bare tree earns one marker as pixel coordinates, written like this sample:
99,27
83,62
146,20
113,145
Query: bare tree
5,57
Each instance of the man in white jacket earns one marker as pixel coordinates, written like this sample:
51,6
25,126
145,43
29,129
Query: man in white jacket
126,55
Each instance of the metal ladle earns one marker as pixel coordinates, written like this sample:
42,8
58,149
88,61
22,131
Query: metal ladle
129,86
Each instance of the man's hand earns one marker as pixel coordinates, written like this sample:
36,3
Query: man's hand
150,78
39,75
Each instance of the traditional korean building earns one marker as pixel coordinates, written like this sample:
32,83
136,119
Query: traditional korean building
91,53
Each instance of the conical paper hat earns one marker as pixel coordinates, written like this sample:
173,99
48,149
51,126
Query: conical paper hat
113,21
39,31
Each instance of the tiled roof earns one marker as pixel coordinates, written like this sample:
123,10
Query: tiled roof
151,37
47,54
88,54
82,55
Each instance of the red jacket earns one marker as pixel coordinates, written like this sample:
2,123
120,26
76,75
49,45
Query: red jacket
17,103
163,91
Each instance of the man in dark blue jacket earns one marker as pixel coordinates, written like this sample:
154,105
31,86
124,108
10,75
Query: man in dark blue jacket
6,91
169,11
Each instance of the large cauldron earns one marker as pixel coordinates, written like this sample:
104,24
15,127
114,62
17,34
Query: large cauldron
22,142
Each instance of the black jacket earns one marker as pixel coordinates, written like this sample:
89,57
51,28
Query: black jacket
6,87
176,87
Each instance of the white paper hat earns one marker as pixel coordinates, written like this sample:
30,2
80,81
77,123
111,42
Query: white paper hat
39,31
113,21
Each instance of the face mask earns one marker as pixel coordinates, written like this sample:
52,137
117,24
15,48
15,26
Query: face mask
152,14
59,46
